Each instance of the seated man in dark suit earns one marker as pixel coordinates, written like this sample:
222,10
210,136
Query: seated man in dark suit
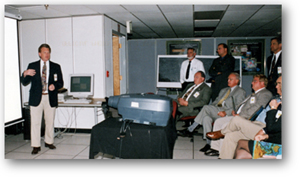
195,95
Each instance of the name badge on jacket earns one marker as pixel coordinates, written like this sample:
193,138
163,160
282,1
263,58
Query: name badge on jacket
55,77
278,114
279,70
196,94
252,100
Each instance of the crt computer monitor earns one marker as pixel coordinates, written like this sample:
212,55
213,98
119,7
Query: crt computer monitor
81,85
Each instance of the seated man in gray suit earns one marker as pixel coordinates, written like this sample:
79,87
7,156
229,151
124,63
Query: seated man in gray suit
195,95
246,109
221,107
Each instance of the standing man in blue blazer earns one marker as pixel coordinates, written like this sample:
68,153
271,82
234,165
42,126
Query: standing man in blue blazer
45,78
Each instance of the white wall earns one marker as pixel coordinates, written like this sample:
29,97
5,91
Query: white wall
31,36
59,37
77,44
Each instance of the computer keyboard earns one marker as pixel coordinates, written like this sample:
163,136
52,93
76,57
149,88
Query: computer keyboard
87,101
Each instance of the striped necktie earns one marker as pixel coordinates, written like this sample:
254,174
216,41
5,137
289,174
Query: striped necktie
44,77
188,93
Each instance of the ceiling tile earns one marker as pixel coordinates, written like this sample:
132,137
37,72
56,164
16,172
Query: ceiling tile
244,7
210,7
275,6
142,8
237,15
176,8
123,17
41,11
268,14
108,9
73,9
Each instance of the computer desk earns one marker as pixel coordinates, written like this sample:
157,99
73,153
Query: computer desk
95,103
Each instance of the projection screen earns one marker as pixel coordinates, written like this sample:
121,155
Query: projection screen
12,88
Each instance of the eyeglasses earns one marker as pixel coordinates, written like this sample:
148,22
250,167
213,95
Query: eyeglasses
277,83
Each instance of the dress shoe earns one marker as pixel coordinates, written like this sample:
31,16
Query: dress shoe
35,150
205,148
215,135
212,152
50,146
184,133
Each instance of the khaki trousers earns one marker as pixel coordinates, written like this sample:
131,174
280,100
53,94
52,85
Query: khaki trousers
36,114
220,124
238,128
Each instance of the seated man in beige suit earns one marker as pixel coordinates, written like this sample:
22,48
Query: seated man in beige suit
246,109
241,128
195,95
221,107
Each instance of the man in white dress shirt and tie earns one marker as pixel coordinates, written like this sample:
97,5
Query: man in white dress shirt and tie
189,68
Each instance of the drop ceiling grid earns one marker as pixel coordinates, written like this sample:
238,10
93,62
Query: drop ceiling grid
141,8
163,19
123,17
176,8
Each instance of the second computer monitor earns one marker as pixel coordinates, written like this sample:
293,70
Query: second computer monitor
81,85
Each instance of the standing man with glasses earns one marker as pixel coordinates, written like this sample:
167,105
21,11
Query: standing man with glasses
45,78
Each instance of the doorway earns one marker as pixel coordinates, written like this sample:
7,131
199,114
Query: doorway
119,64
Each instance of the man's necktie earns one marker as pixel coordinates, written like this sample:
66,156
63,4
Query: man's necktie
188,70
44,77
188,93
224,98
273,64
